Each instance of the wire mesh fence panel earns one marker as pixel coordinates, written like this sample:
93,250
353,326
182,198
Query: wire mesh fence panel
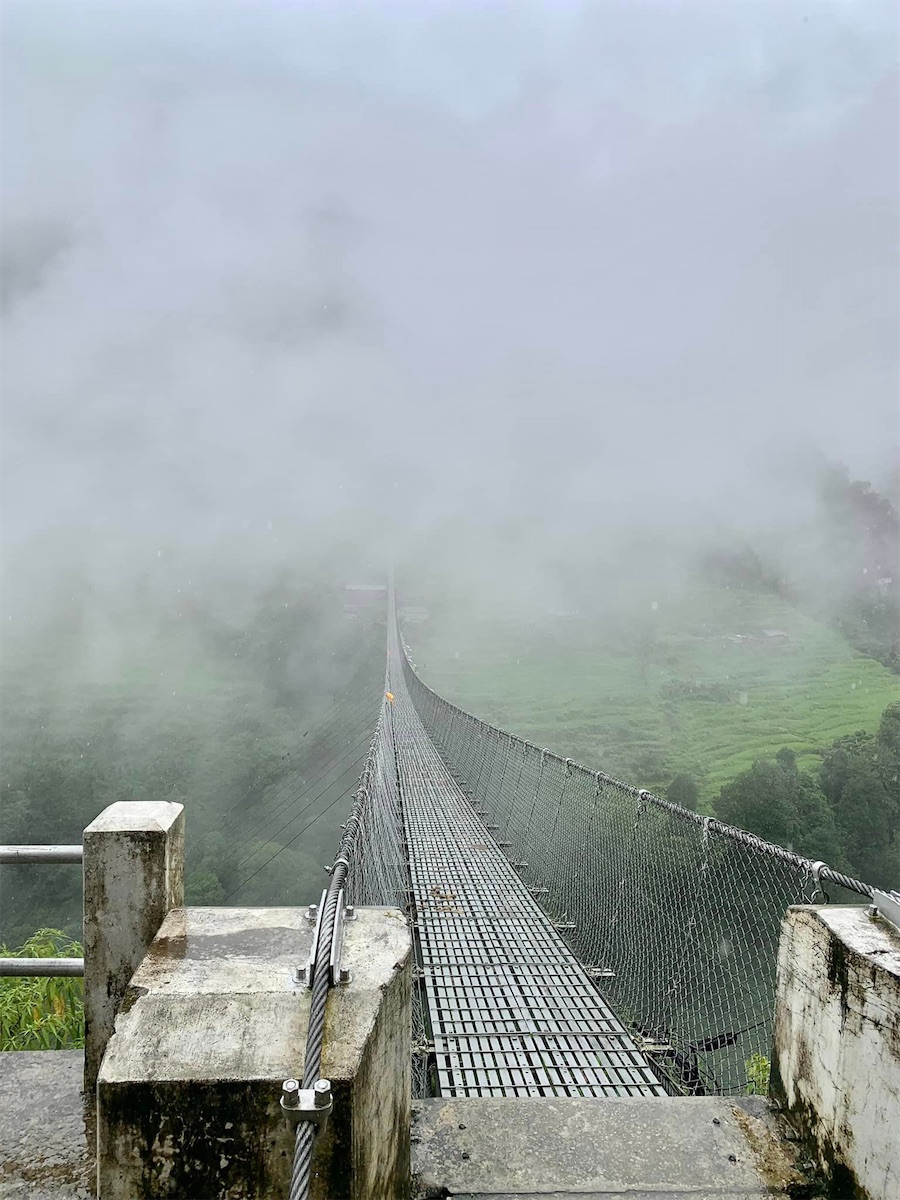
676,916
377,872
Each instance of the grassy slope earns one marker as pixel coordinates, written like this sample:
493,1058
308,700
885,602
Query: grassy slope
579,689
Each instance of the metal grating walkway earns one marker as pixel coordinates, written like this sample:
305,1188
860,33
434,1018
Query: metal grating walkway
512,1012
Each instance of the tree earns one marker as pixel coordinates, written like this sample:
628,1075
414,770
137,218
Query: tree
860,776
859,564
783,805
683,790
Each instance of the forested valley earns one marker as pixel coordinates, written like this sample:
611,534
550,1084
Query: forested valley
241,689
236,682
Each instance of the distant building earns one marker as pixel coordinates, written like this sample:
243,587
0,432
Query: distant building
766,637
364,597
414,614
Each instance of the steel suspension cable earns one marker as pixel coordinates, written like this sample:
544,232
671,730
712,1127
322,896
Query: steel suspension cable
360,739
301,1171
286,784
333,742
297,835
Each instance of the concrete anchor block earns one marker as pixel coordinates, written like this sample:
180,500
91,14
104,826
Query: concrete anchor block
213,1023
133,876
836,1052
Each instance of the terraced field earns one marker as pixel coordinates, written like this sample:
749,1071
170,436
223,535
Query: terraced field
693,685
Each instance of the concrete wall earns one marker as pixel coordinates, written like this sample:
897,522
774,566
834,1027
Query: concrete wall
211,1025
368,1045
836,1054
133,875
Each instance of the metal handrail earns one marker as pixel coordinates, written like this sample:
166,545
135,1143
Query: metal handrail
41,854
32,967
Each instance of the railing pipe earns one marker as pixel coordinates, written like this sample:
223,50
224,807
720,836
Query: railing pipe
41,966
32,967
41,854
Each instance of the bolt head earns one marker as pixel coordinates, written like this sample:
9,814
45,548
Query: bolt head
322,1093
344,975
290,1093
349,912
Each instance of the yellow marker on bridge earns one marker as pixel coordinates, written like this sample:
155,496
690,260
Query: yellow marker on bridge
390,696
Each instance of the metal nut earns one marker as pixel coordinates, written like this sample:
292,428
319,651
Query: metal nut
290,1093
322,1090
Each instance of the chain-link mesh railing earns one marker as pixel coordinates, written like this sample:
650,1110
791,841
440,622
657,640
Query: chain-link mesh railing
370,867
676,915
378,872
378,869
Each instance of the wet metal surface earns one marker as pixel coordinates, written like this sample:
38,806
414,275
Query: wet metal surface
511,1010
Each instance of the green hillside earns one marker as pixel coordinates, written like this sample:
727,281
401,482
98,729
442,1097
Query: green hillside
694,685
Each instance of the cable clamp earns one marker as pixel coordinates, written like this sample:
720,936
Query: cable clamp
307,1105
887,906
337,973
303,974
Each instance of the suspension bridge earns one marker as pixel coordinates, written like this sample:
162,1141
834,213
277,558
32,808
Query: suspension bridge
574,936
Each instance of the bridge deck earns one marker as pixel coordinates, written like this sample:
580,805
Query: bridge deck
512,1012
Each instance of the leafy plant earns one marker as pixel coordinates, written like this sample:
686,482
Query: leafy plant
38,1013
758,1067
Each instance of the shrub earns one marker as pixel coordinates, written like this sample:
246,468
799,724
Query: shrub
38,1013
758,1067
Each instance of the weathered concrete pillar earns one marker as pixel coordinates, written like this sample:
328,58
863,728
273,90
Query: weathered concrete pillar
133,875
836,1054
213,1022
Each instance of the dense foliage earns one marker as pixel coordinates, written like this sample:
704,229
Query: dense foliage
847,814
859,545
42,1014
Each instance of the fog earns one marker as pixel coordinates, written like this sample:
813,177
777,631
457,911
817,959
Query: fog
590,264
541,300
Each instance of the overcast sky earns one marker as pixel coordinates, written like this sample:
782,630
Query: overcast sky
606,261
